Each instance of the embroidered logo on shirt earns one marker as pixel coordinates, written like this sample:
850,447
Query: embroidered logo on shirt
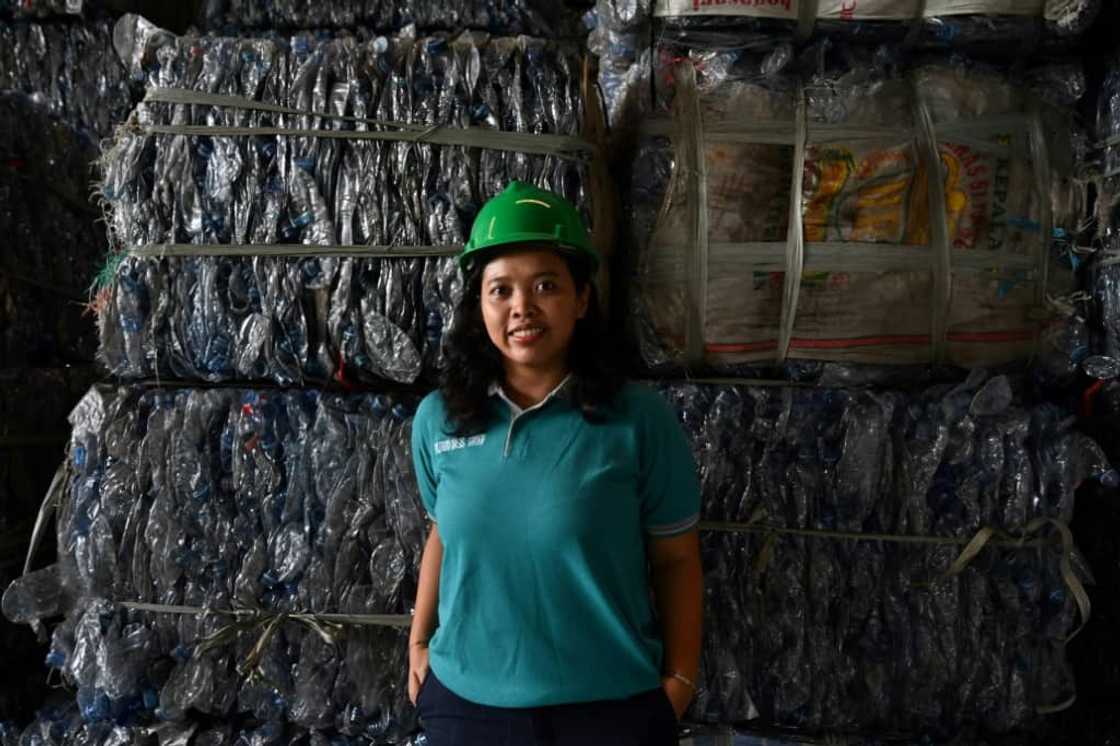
454,444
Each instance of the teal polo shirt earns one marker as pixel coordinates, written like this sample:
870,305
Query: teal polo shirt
544,596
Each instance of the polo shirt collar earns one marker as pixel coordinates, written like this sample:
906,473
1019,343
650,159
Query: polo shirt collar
561,390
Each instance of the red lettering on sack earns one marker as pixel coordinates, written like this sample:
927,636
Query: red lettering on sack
786,4
980,170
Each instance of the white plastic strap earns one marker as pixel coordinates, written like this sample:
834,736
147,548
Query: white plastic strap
692,166
795,238
940,257
480,137
857,256
1040,163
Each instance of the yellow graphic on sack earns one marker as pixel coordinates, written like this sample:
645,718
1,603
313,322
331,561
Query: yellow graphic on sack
956,201
876,195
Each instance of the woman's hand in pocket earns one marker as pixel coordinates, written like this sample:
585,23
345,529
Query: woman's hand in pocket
678,694
417,668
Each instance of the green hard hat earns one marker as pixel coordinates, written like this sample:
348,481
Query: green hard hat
522,213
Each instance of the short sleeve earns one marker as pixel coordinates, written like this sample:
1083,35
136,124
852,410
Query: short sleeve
426,477
669,487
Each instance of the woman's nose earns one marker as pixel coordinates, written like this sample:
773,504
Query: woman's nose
522,304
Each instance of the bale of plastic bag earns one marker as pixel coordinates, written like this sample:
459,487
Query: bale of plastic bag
895,262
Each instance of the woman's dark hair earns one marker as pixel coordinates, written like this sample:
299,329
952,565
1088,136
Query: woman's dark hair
472,362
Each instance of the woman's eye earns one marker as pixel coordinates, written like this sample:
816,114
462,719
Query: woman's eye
499,291
546,286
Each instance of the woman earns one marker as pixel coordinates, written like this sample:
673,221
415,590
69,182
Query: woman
550,483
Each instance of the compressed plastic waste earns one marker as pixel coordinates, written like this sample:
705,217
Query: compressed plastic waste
290,501
867,225
1108,121
289,319
277,319
1105,272
532,17
228,499
1105,289
625,31
44,8
69,67
33,435
281,188
835,635
932,462
60,723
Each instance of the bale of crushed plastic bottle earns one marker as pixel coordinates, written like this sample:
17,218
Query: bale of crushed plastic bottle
267,232
69,67
831,517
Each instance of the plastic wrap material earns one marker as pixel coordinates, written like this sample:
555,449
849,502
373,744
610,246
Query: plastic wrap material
226,499
830,635
54,245
870,288
70,68
533,17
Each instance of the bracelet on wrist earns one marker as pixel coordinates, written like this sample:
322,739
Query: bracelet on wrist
683,679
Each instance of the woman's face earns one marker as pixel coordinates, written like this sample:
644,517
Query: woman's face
530,306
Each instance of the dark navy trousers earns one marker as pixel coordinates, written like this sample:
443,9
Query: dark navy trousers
645,719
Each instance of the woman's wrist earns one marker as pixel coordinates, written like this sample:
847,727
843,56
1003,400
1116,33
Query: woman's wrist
678,676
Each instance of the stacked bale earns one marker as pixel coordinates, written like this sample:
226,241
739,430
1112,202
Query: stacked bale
347,309
282,210
293,502
860,209
804,206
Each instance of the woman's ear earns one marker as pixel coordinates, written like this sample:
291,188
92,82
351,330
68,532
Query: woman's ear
584,300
